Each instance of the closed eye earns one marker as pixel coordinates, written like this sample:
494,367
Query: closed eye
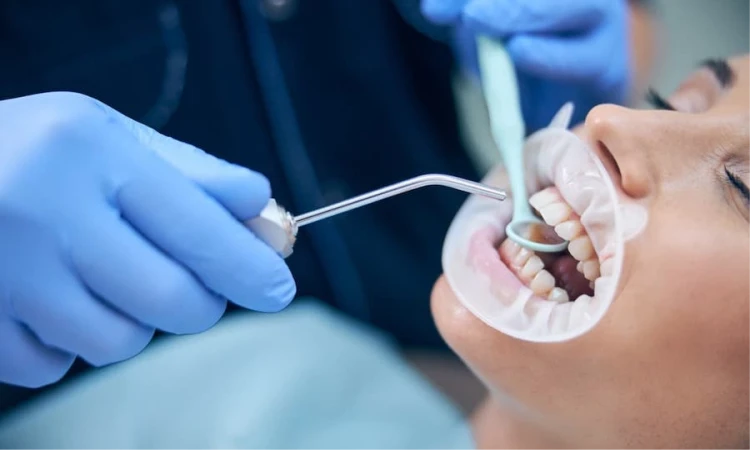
657,101
738,184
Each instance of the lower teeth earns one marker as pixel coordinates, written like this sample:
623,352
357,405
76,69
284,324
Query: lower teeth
558,281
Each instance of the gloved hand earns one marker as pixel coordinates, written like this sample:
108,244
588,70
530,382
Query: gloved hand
574,50
109,230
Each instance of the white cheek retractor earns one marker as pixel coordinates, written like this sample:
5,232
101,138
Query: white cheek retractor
489,289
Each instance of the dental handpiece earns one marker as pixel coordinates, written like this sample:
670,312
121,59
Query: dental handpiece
278,228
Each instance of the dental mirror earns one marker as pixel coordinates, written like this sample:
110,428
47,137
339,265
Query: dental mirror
508,131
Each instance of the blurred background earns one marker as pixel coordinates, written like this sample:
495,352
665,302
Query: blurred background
689,31
693,30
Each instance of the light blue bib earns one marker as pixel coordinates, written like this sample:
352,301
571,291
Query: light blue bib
304,378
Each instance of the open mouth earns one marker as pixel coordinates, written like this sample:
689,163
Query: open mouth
536,296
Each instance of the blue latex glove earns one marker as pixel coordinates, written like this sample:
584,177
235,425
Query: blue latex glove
571,50
109,230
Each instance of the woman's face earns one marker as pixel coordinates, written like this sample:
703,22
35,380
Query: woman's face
668,364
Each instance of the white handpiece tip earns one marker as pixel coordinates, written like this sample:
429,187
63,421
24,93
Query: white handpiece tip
276,227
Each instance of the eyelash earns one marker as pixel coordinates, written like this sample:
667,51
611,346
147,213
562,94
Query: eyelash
735,181
657,101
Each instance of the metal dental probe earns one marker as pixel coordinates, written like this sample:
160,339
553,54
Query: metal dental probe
278,228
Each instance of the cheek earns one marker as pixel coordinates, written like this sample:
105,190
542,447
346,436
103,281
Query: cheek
689,285
681,315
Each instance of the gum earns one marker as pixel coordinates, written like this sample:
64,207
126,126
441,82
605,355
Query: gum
483,257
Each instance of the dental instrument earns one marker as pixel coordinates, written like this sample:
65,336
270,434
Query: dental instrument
278,228
508,131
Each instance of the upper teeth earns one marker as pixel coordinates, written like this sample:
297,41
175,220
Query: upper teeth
530,268
591,269
555,213
581,249
543,198
569,229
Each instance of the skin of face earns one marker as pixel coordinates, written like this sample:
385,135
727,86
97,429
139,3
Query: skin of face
668,364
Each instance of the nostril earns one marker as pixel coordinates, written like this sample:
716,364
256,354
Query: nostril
610,163
618,136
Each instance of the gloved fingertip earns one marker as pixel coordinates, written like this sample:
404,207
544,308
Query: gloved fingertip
520,48
279,291
254,276
282,297
530,57
442,11
479,9
120,344
484,17
261,189
253,180
242,191
479,22
42,380
48,372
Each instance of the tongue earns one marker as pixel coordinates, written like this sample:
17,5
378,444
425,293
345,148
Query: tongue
568,278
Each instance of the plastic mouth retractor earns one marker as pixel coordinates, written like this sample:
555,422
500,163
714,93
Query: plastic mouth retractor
554,156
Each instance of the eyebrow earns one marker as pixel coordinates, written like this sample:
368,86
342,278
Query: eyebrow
719,67
721,70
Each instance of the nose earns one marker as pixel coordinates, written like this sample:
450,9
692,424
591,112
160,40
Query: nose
620,137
